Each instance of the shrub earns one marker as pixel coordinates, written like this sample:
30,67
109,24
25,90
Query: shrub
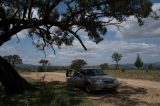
123,70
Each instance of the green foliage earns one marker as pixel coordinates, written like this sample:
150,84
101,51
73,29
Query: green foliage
78,63
116,57
123,70
138,63
45,19
104,66
44,62
47,94
136,74
13,59
40,69
150,66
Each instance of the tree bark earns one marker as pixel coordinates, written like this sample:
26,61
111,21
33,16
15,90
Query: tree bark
11,80
117,66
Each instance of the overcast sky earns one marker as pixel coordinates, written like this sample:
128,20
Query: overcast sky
129,41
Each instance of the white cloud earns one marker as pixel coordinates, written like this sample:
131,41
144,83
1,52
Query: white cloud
22,34
156,6
150,29
102,52
8,49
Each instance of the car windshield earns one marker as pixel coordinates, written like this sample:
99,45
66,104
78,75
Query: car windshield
93,72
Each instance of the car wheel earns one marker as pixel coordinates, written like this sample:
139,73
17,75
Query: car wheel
88,88
114,90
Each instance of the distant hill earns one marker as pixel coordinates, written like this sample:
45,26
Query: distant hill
26,66
156,65
35,67
131,66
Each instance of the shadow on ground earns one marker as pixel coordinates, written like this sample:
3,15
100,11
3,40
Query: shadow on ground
47,94
57,94
124,96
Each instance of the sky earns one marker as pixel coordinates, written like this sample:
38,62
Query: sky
129,40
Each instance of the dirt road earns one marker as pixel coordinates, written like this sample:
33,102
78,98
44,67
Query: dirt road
131,92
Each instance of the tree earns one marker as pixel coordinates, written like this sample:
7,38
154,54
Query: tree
116,57
150,66
9,81
44,64
138,63
13,59
104,66
54,26
78,63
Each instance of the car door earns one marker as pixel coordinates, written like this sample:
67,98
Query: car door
69,77
77,80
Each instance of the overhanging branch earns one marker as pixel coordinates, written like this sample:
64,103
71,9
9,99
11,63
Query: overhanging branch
73,33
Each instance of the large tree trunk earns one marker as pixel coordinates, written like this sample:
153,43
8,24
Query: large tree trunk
11,80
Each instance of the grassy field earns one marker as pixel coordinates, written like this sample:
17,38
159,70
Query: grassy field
140,93
131,74
55,93
135,74
48,94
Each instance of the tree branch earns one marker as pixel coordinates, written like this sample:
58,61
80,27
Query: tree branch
30,9
73,33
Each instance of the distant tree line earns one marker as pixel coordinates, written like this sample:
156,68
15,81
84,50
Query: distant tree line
75,64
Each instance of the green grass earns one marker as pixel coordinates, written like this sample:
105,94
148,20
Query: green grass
136,74
47,94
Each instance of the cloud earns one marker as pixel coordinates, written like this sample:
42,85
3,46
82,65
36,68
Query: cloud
131,30
8,49
102,52
21,35
156,6
124,43
150,29
96,54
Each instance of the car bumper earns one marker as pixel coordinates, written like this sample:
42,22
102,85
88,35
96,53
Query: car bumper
106,86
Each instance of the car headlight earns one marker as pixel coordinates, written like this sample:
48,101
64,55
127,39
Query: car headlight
99,81
115,81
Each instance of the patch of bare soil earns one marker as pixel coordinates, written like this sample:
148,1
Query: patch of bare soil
130,93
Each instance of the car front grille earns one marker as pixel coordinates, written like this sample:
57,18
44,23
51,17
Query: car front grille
109,81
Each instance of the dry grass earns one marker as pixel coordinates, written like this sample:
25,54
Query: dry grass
136,74
131,92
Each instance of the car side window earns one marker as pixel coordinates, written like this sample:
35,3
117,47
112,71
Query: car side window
76,74
89,72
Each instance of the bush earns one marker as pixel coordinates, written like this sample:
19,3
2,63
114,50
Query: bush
123,70
40,69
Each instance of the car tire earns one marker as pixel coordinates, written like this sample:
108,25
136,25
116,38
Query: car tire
88,88
114,90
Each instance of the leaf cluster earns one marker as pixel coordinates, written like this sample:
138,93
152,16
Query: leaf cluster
78,63
58,22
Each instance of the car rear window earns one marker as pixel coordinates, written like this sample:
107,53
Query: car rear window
92,72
